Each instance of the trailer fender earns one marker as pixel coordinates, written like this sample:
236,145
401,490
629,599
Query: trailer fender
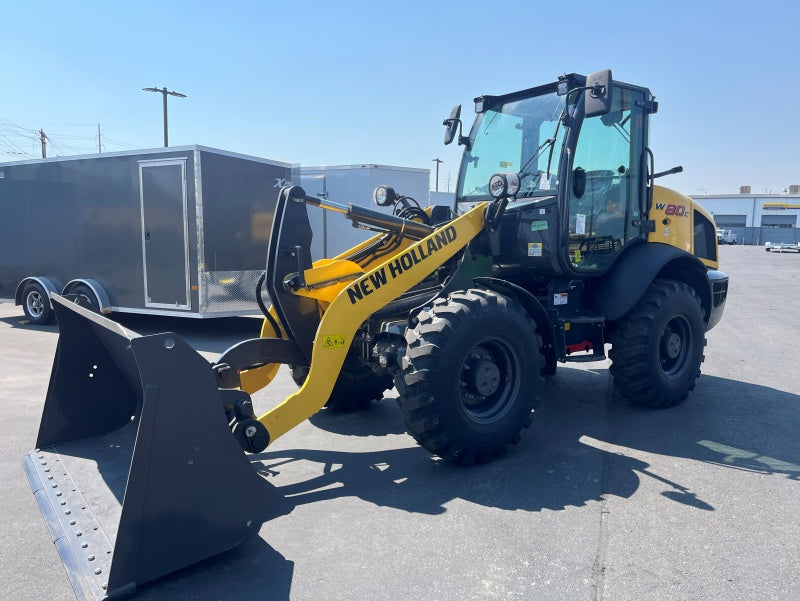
98,290
535,310
621,288
52,285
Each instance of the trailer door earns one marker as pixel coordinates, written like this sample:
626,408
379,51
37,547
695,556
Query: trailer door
162,188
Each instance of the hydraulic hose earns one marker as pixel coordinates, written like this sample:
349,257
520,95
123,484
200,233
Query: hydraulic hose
261,279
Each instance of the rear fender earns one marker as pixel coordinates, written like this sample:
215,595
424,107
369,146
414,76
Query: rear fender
621,288
50,284
94,286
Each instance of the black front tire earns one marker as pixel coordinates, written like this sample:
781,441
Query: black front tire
36,304
657,348
470,375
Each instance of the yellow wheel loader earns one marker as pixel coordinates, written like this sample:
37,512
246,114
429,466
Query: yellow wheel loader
557,245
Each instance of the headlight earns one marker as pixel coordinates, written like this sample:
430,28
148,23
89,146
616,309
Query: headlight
503,185
384,196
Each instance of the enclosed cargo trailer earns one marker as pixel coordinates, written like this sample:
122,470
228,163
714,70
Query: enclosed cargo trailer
178,231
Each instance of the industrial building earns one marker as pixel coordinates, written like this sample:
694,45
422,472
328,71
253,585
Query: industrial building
756,218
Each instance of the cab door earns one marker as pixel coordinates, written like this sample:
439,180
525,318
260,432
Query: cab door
604,197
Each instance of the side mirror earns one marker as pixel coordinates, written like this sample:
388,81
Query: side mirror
578,182
452,123
597,98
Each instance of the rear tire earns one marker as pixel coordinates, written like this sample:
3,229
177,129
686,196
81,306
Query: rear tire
86,298
470,375
657,348
36,304
359,383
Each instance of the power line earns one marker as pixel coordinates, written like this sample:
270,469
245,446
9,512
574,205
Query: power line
114,142
15,137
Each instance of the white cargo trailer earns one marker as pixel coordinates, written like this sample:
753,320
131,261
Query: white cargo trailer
354,184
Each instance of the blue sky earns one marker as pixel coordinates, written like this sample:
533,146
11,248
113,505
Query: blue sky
370,82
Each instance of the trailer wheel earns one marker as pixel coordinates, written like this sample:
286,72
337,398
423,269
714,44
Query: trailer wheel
470,375
85,297
657,348
36,304
359,383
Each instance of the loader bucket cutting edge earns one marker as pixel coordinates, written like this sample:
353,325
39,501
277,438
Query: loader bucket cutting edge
136,471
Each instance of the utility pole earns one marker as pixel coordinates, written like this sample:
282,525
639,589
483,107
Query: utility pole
165,93
99,146
43,139
438,162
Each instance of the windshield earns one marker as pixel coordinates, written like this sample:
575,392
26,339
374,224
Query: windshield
520,136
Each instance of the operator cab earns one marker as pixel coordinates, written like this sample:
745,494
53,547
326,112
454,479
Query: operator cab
578,148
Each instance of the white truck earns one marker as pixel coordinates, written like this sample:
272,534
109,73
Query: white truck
725,236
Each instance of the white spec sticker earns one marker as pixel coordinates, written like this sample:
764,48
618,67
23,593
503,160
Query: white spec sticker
580,223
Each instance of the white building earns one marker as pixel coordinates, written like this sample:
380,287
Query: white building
756,218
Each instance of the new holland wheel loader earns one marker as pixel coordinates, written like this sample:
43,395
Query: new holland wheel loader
558,245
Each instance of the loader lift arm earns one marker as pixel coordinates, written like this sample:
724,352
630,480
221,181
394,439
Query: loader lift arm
342,292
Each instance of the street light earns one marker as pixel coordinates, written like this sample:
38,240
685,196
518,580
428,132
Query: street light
438,162
164,92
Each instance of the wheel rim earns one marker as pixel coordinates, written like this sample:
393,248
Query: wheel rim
35,304
488,380
675,346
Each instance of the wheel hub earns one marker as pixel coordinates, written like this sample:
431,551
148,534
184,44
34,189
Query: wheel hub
35,304
485,377
673,344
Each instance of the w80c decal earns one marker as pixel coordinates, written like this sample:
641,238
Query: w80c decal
670,209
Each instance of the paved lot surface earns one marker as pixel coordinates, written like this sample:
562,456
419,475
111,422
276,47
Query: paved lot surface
600,500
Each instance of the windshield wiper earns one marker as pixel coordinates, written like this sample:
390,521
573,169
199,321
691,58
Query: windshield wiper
522,173
551,141
555,135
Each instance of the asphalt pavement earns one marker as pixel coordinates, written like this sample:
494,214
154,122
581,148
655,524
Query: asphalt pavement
600,500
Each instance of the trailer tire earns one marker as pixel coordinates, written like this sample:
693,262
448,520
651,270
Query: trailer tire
36,304
86,298
657,348
359,383
470,375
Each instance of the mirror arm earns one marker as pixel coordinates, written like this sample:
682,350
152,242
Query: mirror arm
678,169
462,139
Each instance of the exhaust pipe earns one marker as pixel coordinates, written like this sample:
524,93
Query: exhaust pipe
135,469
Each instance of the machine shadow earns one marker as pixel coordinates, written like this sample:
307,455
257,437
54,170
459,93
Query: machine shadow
577,451
379,419
253,571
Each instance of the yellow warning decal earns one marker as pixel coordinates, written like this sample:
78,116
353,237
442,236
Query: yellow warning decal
334,341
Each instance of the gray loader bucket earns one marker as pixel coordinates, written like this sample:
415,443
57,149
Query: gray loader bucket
135,469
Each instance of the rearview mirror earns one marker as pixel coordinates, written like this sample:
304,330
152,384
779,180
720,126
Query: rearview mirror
597,98
452,124
578,182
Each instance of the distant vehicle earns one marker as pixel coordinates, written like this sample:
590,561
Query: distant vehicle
782,247
725,236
